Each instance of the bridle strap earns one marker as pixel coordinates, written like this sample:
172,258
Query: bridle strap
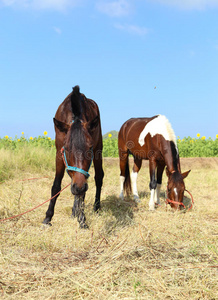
75,169
168,201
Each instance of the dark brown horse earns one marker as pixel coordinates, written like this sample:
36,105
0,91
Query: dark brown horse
78,141
152,139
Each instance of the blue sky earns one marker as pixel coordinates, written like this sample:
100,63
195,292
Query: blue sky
134,58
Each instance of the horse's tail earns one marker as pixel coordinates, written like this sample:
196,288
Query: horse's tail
75,101
127,181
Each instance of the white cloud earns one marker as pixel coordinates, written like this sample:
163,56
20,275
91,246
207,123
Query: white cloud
41,4
133,29
189,4
117,8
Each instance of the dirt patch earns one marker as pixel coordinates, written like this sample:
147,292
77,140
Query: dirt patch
200,163
186,163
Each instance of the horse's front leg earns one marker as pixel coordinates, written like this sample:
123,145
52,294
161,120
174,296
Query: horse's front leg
153,184
99,175
55,188
160,169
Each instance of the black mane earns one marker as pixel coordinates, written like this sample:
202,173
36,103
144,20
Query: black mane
77,137
76,101
175,155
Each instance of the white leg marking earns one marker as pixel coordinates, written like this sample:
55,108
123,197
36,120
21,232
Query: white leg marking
151,202
122,179
134,176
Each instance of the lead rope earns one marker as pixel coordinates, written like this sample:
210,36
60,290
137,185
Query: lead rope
9,218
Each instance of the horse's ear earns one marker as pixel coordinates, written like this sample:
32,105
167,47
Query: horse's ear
63,127
75,101
93,123
185,174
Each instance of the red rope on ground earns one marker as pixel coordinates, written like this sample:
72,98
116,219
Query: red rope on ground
9,218
192,203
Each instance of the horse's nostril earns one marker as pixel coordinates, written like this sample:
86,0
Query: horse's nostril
79,190
85,187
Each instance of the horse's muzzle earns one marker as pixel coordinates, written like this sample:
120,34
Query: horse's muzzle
79,191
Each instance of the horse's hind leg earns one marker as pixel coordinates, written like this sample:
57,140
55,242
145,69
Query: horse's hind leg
136,167
55,188
123,166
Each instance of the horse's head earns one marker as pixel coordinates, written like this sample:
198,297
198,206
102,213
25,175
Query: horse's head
176,188
78,151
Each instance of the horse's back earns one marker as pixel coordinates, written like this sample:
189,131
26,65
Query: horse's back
133,127
64,111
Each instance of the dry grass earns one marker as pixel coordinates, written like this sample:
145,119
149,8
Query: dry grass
127,253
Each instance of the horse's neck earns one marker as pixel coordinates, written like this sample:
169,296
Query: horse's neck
171,157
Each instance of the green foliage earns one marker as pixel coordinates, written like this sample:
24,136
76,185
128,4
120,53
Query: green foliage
19,143
110,147
21,154
200,147
188,147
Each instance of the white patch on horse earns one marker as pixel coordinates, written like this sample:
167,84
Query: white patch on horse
175,191
157,195
152,200
134,176
159,125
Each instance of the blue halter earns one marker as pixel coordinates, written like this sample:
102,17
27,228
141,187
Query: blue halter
70,168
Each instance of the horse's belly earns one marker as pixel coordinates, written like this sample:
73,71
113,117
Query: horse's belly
139,153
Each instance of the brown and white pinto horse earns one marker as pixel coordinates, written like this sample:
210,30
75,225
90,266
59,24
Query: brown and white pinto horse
151,139
78,141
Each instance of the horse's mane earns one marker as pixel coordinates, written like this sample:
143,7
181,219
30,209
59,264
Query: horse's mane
175,154
169,129
77,140
76,101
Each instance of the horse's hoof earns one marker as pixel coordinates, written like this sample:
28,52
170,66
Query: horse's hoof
136,199
152,209
83,226
47,221
96,208
46,225
121,196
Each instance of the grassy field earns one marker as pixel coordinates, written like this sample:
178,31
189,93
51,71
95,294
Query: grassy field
127,252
